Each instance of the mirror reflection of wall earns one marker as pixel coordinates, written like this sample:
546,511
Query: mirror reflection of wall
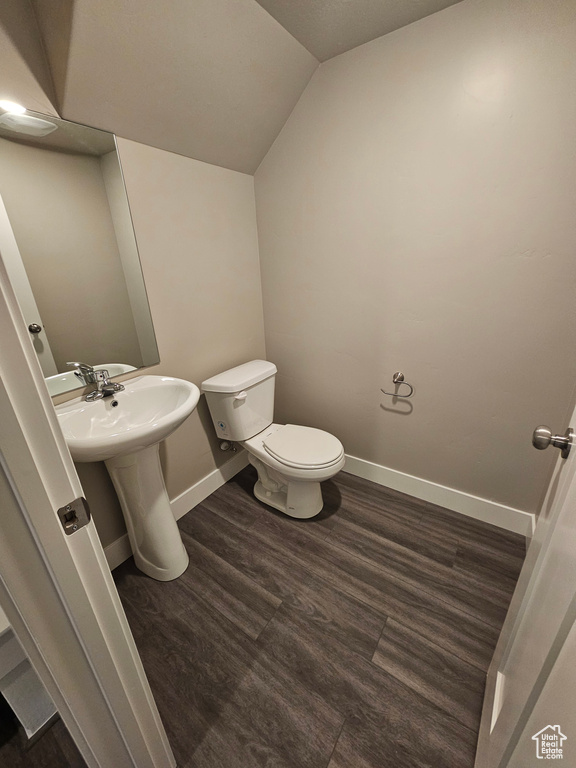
68,211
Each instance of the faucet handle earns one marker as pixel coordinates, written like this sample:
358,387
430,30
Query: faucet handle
84,372
105,385
111,387
101,375
82,367
95,395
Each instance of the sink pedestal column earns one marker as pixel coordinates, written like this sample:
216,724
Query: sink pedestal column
154,535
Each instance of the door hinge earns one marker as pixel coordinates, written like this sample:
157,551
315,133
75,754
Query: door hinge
74,515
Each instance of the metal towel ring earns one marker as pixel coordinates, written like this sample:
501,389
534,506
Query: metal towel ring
398,378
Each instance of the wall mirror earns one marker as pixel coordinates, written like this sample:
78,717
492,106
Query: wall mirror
67,241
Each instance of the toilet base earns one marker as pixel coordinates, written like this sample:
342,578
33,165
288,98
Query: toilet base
295,499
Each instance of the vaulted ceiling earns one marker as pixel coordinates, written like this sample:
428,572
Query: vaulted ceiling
329,27
210,79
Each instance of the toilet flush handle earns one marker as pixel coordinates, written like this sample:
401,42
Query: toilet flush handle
241,396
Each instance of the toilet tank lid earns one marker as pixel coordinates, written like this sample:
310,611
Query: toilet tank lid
239,378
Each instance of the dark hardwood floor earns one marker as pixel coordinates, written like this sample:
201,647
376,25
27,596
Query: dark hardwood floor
54,749
359,639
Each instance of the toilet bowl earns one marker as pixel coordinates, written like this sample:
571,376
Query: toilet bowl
291,460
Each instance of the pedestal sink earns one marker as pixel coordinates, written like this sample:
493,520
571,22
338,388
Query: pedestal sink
125,431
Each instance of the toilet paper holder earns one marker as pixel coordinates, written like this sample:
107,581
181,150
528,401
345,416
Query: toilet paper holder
398,378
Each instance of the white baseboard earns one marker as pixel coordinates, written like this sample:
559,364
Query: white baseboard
473,506
120,550
203,488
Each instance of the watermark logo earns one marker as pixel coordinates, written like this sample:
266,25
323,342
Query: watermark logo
549,743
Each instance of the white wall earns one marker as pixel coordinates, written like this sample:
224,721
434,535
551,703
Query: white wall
416,213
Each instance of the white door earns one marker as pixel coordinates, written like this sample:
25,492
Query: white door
21,285
55,586
535,643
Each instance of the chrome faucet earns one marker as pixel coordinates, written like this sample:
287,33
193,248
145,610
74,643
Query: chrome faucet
104,387
84,372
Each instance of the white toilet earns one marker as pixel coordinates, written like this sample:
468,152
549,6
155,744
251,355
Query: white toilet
291,461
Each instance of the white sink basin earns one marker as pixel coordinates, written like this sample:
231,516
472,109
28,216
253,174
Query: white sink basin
124,430
148,410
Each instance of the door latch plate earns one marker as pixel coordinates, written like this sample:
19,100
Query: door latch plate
74,515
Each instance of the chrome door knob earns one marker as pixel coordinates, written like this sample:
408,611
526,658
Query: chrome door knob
34,328
543,437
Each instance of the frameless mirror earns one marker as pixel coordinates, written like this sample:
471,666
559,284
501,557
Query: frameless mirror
68,244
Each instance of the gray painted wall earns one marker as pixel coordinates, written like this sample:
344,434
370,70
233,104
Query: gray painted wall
416,213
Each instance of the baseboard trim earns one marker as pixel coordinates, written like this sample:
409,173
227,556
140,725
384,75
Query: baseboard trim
117,552
120,550
203,488
458,501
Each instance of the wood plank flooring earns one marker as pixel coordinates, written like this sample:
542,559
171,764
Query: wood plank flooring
54,749
359,639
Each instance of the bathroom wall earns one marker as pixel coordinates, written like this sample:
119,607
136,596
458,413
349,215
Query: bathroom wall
60,215
416,213
195,226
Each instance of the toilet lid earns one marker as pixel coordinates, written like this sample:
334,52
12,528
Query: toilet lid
303,447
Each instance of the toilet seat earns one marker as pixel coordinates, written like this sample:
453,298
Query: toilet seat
303,447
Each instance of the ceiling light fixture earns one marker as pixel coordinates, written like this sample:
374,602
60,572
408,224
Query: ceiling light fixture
13,118
11,107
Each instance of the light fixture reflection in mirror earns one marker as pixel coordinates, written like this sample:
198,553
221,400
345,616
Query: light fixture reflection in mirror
67,240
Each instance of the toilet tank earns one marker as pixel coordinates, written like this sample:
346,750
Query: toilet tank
241,400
